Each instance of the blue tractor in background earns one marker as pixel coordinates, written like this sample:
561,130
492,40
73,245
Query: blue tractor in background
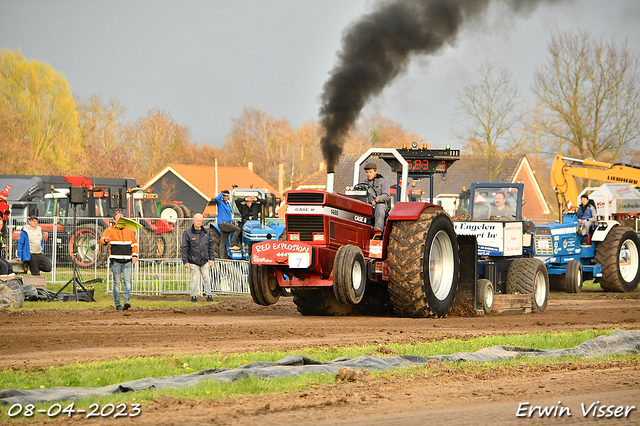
267,227
611,257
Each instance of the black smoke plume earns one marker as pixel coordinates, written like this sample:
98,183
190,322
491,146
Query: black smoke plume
378,47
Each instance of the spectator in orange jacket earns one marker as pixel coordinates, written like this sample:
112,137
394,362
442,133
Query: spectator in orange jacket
123,253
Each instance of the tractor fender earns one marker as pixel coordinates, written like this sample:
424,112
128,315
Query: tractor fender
602,229
409,210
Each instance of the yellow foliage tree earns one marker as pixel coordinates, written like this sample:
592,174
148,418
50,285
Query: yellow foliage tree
41,98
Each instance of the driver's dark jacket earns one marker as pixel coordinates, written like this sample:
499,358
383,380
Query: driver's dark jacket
380,188
246,212
197,246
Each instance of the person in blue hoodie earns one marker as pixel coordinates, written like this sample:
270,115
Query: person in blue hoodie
225,218
587,216
31,247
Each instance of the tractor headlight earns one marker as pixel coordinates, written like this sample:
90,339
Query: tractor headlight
318,236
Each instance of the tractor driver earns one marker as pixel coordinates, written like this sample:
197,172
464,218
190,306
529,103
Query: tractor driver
501,208
250,208
379,196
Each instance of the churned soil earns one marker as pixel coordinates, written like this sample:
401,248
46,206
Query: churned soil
38,338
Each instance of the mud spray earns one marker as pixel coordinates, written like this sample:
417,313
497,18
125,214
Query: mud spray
378,47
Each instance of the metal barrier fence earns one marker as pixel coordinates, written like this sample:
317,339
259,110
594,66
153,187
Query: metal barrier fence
169,276
159,270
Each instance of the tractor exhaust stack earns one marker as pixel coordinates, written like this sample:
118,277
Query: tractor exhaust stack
330,178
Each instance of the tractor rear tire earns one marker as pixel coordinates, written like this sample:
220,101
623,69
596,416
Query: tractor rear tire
215,236
349,275
423,262
185,211
529,276
263,285
319,302
170,245
573,277
171,212
485,295
618,255
148,245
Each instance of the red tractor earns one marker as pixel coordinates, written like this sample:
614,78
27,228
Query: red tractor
332,265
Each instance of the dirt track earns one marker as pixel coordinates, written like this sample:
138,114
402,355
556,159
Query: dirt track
58,337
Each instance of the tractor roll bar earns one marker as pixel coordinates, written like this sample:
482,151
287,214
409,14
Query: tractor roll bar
376,151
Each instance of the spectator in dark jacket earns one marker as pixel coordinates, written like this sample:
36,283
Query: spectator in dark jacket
197,252
6,269
249,208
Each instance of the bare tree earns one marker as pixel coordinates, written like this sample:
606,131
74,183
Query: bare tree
378,131
262,139
489,112
155,141
589,89
103,136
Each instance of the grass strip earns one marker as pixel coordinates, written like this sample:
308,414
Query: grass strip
104,373
96,374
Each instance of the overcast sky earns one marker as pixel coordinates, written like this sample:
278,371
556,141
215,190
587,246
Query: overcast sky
203,61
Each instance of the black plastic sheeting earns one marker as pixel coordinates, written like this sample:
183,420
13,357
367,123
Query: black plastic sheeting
620,342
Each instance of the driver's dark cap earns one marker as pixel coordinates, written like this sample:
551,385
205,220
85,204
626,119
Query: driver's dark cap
33,216
370,166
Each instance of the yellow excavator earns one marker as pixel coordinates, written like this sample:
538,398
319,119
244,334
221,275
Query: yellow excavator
564,183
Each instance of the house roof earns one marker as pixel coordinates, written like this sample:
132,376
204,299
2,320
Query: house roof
203,179
317,180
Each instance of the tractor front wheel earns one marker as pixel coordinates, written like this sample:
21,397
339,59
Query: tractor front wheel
618,255
573,277
263,285
349,275
485,295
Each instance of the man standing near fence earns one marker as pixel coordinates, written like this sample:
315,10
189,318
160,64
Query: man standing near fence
123,253
197,250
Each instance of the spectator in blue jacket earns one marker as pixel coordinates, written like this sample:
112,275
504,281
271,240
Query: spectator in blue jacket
31,247
197,252
225,218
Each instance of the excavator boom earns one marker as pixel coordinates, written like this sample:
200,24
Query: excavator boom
563,176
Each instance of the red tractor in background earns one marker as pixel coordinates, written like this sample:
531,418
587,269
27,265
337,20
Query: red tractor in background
332,265
156,239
